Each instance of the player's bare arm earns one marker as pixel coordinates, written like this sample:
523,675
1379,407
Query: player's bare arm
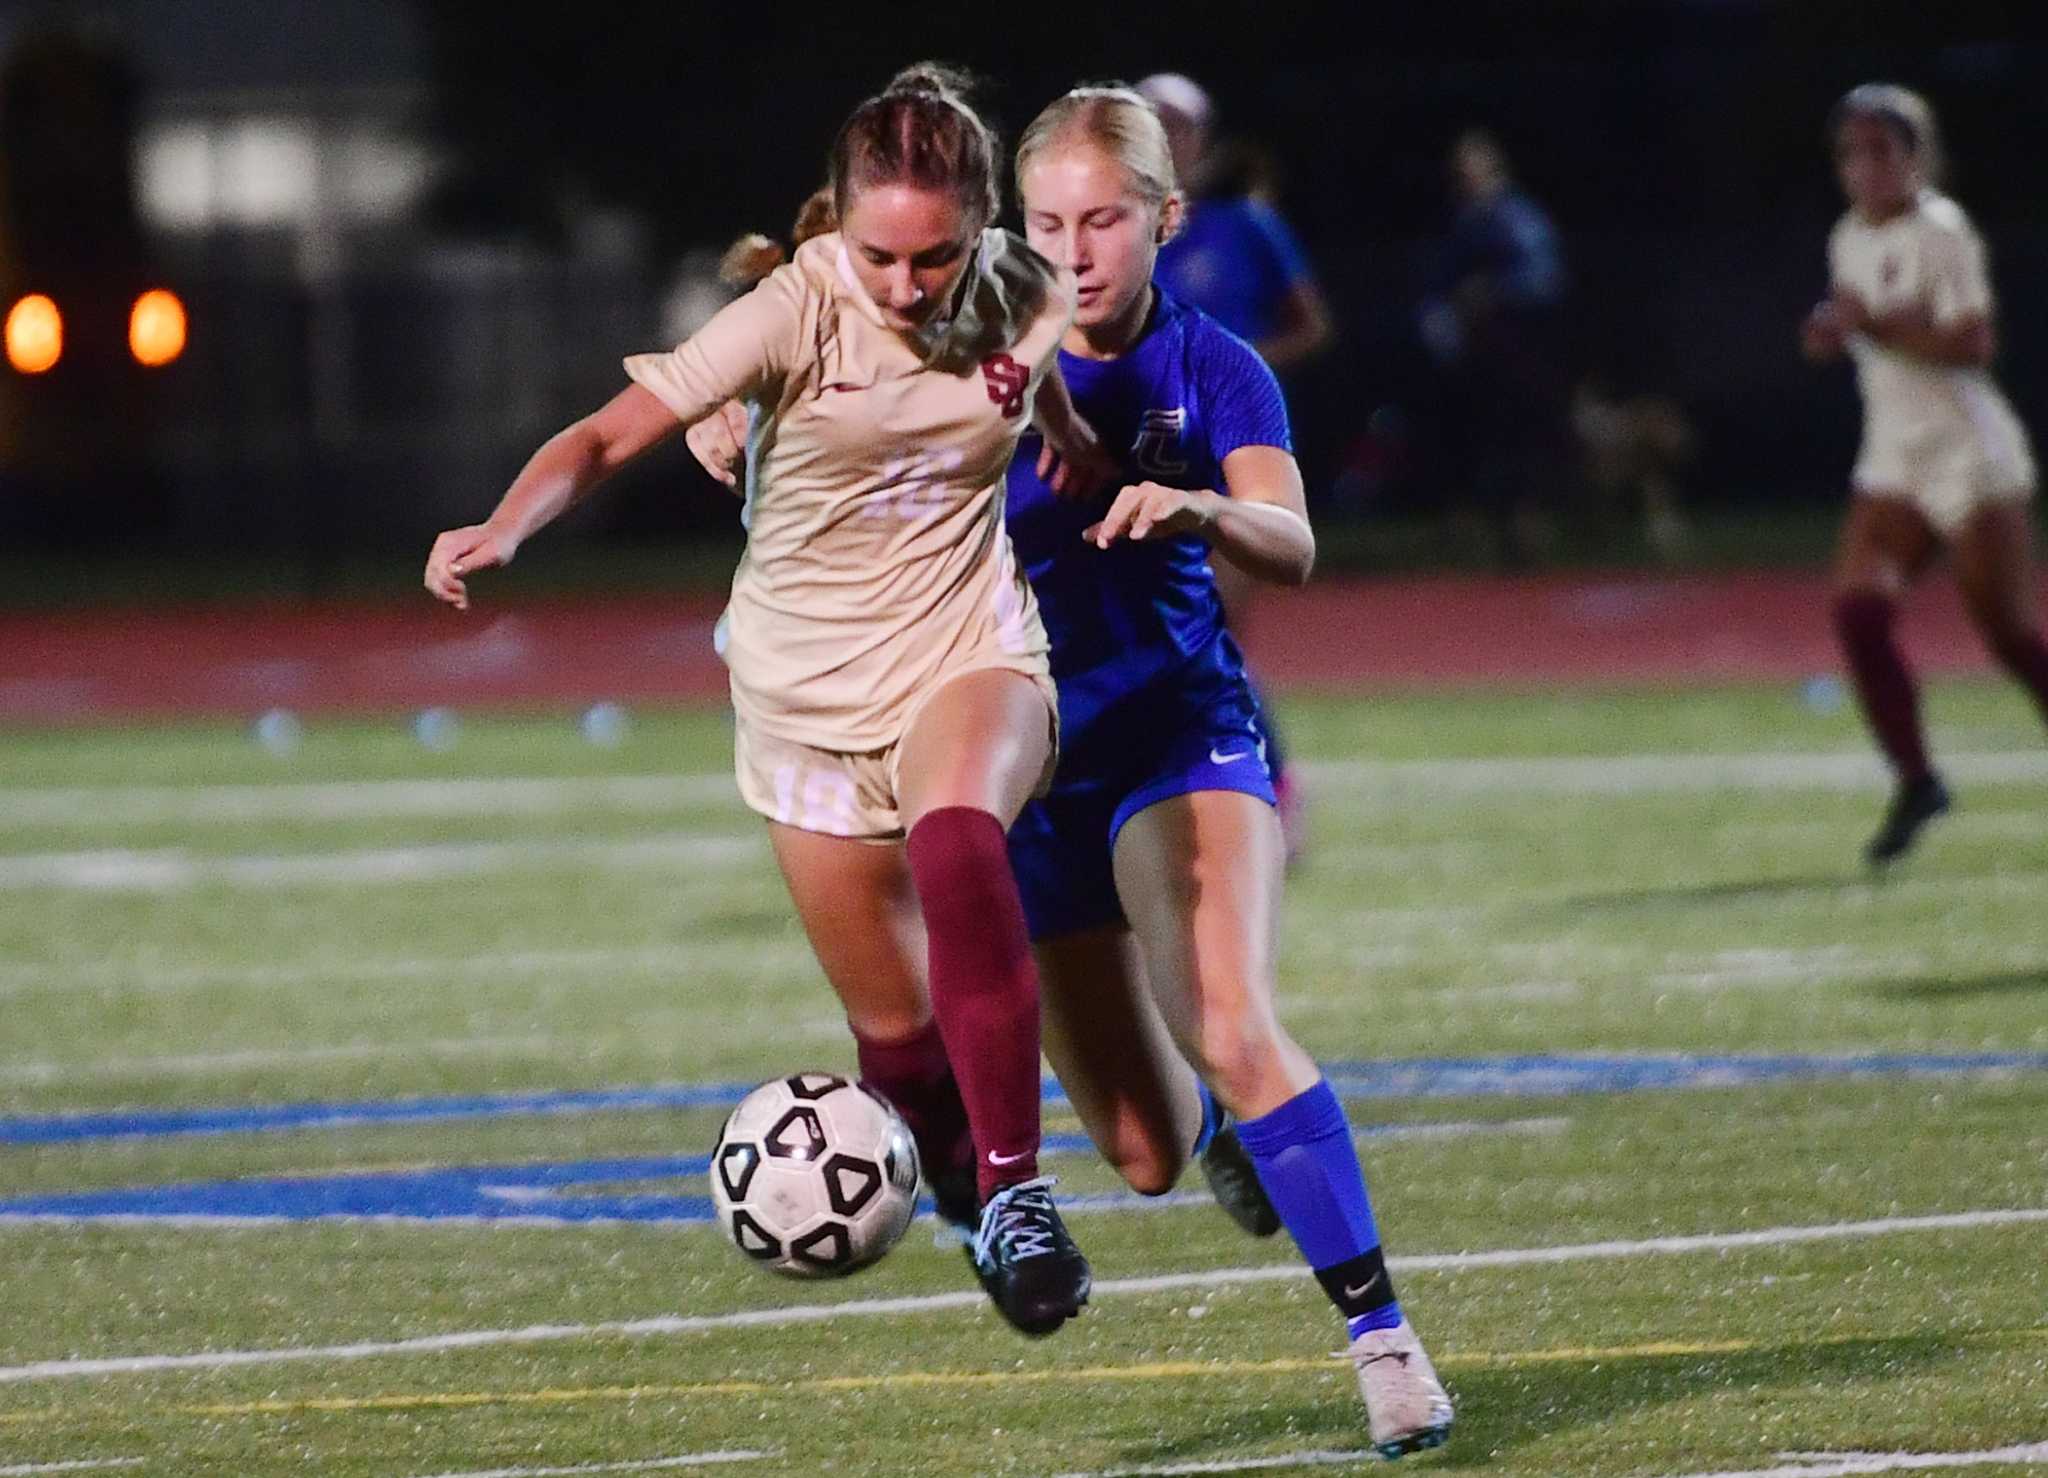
1261,525
570,465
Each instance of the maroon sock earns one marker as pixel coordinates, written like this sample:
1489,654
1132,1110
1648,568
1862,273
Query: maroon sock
914,1075
1891,702
984,985
2025,656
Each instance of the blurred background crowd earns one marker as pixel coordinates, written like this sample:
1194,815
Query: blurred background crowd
292,284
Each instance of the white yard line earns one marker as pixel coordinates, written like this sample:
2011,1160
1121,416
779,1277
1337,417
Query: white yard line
2026,1454
77,1465
646,1465
358,800
44,1074
142,978
674,1324
176,869
1646,774
1323,1459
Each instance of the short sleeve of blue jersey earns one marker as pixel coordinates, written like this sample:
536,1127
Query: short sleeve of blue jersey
1240,396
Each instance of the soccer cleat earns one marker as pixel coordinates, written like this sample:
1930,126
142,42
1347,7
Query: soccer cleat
1235,1184
1027,1263
1406,1409
1914,804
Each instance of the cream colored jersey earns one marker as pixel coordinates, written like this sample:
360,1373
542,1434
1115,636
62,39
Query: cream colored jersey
1921,418
876,565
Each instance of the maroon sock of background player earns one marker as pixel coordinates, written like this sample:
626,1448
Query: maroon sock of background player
1891,702
2025,656
984,985
914,1075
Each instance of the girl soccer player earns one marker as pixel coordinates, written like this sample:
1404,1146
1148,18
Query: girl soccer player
1944,461
1151,871
888,664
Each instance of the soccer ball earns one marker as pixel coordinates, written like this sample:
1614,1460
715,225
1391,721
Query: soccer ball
814,1176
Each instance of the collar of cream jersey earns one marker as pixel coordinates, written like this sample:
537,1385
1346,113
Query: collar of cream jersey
929,337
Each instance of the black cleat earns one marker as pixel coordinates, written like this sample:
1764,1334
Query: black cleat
1913,805
955,1197
1228,1169
1026,1261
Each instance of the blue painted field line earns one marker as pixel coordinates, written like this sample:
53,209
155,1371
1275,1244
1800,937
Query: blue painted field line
1539,1076
546,1193
512,1192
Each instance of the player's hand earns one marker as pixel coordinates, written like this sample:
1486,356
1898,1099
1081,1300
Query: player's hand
1076,465
1823,335
719,442
464,551
1851,311
1146,508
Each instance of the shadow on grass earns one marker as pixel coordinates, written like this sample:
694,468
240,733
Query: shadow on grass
1958,988
1508,1407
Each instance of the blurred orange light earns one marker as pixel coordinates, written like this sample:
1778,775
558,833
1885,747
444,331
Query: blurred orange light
156,327
35,334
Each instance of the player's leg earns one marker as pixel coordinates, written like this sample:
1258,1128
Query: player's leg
1993,560
859,910
1886,543
1199,874
1136,1096
1237,590
971,756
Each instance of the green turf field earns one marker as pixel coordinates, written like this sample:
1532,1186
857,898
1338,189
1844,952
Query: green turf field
1721,1277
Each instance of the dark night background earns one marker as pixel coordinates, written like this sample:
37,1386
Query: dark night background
1678,146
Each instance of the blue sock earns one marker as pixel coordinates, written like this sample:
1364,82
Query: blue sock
1212,1118
1309,1167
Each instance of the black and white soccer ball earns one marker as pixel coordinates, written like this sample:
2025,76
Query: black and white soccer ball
814,1176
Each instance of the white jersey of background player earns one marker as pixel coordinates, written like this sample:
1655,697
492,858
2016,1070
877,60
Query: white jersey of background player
1942,434
1944,465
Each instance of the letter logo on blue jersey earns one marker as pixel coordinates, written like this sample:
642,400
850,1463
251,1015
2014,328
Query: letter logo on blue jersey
1157,449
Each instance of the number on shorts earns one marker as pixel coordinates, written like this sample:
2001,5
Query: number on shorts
815,800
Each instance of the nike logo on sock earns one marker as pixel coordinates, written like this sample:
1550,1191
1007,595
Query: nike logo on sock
996,1159
1216,757
1364,1288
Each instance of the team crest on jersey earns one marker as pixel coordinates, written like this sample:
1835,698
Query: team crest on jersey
1006,380
1889,274
1157,449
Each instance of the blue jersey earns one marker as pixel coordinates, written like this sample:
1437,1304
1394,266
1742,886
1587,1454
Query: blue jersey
1138,623
1236,261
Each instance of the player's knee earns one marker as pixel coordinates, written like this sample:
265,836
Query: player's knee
1150,1163
1152,1174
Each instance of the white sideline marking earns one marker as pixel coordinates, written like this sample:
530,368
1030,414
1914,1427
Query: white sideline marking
77,1465
356,800
2026,1454
1643,774
932,1303
175,869
142,978
648,1465
1235,1465
43,1074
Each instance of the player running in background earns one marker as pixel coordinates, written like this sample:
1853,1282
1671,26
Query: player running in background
889,673
1236,259
1151,872
1944,462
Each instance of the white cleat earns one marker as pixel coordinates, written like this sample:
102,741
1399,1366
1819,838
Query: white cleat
1405,1405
